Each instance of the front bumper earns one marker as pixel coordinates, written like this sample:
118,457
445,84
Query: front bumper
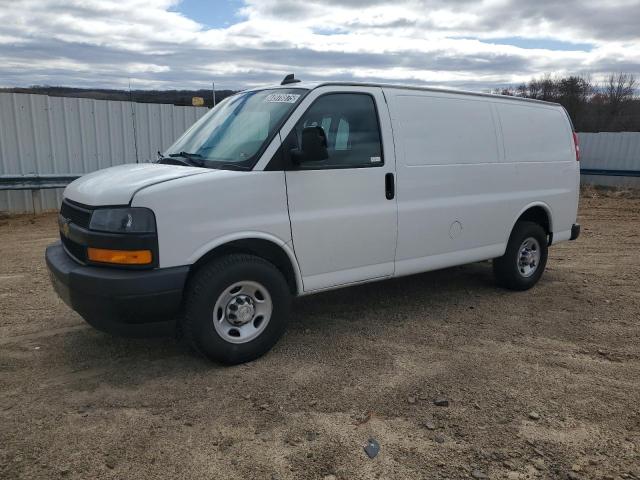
121,302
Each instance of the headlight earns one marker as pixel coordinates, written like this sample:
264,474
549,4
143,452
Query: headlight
123,220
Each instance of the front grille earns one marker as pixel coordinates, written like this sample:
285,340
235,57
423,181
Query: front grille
79,252
81,216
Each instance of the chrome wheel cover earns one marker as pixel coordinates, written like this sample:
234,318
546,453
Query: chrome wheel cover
242,311
528,257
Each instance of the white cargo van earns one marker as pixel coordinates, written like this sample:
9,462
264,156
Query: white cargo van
299,188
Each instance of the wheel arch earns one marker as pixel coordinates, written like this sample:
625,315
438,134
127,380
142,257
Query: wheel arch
259,244
537,212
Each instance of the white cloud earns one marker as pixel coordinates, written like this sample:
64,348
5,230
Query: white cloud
105,42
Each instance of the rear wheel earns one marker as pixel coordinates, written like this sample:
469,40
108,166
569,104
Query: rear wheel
237,308
525,258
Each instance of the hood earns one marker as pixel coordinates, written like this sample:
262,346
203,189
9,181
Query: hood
117,185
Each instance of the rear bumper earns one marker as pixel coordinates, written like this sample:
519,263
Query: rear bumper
122,302
575,231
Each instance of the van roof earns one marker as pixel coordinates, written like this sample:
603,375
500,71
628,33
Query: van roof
313,85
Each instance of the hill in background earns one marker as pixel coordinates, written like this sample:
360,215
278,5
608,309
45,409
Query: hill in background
175,97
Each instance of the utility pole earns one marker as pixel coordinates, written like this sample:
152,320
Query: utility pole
213,92
133,119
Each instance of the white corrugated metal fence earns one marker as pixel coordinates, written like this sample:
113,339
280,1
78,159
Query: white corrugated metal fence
610,158
55,135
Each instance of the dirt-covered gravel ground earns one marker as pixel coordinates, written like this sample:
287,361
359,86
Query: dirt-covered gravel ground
540,384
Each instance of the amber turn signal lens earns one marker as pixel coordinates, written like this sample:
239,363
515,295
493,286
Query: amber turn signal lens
122,257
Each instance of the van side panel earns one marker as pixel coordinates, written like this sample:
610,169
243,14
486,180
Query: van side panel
537,138
449,180
535,133
457,130
461,187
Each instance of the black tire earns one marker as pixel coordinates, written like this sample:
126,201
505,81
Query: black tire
208,284
506,269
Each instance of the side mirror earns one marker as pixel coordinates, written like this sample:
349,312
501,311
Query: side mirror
314,146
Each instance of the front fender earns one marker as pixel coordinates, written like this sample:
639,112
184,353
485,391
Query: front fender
227,239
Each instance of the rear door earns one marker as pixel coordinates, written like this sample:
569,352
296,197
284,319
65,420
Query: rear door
343,209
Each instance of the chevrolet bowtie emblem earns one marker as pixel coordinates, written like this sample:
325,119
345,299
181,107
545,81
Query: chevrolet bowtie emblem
64,228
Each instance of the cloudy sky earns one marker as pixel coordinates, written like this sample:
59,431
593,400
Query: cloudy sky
240,43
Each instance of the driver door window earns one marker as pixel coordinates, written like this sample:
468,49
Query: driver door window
350,124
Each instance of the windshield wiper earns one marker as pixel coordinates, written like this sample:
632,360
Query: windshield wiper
194,158
189,159
234,166
174,161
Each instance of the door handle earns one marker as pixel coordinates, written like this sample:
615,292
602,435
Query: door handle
389,186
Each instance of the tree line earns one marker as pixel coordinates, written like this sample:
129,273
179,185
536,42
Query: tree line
611,105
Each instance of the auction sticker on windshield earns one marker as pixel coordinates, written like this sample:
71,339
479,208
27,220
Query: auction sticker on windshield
282,97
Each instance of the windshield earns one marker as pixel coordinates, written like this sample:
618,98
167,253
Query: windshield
234,132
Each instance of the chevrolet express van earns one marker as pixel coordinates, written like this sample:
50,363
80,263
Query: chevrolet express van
300,188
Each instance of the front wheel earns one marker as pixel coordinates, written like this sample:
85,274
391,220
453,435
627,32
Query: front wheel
237,308
525,258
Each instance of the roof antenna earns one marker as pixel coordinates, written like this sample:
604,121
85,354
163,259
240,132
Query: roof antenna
289,79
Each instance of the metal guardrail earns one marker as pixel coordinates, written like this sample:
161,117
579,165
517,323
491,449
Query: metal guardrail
610,173
35,182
